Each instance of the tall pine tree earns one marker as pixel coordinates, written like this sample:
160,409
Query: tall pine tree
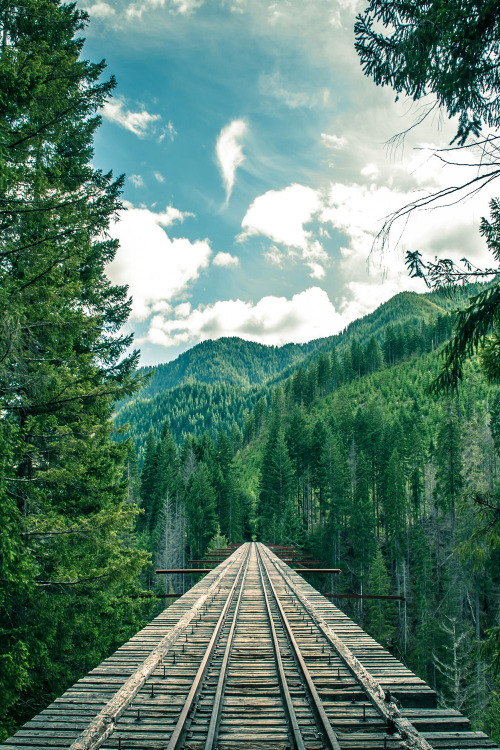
62,361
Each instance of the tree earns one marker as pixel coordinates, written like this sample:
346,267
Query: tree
378,611
446,48
200,511
225,484
277,482
63,493
448,458
443,48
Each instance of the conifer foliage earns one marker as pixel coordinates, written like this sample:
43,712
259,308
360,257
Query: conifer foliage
66,530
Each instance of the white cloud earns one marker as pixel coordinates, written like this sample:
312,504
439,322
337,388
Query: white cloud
226,259
272,320
333,141
156,268
281,215
371,171
186,7
136,180
101,9
158,176
275,256
141,123
230,153
170,215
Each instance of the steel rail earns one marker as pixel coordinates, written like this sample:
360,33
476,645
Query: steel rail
103,724
315,701
213,728
182,725
382,703
293,724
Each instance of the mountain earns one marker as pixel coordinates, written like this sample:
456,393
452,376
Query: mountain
225,360
218,383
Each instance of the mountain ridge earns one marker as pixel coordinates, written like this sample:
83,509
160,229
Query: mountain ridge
217,382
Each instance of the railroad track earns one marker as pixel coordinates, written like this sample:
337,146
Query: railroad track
251,657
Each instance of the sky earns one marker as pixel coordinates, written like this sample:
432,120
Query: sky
259,169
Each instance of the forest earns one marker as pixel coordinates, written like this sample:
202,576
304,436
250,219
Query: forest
353,461
343,446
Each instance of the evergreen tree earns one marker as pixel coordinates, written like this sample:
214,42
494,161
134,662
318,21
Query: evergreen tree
324,373
378,611
362,526
201,512
228,496
395,504
276,483
449,479
62,362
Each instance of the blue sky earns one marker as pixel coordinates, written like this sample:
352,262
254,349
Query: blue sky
257,171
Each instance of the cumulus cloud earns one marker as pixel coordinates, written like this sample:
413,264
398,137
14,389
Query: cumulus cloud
159,177
141,123
226,259
282,215
156,268
272,320
229,152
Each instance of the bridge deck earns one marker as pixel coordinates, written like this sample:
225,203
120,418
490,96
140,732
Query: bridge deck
250,657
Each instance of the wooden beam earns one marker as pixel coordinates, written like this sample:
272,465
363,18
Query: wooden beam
154,596
363,596
185,570
317,570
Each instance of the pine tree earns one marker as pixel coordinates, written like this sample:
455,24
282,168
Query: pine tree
276,483
448,458
378,611
62,362
201,511
228,496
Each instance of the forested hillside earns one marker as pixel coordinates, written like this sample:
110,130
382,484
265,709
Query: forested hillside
220,382
227,360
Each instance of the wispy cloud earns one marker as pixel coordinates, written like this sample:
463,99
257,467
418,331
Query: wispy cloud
136,180
229,152
142,123
159,177
168,132
274,85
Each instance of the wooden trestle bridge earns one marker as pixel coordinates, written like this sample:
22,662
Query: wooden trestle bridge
250,657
